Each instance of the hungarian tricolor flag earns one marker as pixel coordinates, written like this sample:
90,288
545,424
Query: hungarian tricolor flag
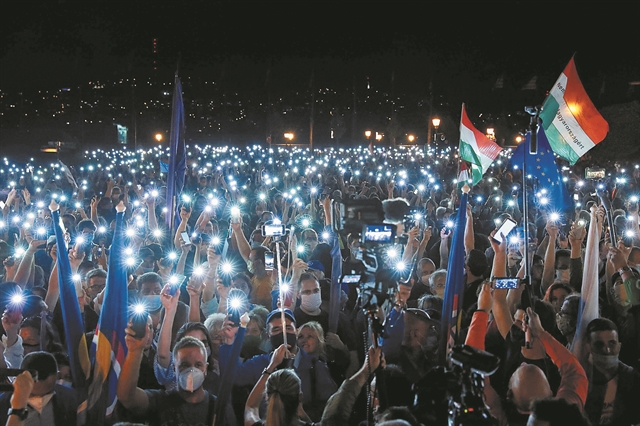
476,148
571,122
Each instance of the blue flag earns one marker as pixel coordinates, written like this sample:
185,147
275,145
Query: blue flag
109,350
79,362
454,289
551,192
177,154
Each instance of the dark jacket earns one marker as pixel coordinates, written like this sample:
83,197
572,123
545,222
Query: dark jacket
65,406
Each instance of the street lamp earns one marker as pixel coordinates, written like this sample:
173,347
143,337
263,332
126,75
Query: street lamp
288,136
491,133
411,138
159,136
379,136
436,123
518,139
367,134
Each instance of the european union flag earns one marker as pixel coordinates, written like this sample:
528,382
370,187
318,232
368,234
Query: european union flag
454,288
177,154
79,363
551,191
109,348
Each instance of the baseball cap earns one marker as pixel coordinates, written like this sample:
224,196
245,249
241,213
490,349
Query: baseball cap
278,312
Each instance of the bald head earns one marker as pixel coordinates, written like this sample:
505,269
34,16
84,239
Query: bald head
528,384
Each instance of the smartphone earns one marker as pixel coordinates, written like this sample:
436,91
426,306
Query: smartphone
175,282
139,321
236,305
576,197
351,279
268,260
185,237
505,229
271,230
506,283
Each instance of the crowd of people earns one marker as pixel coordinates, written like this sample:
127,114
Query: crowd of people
253,304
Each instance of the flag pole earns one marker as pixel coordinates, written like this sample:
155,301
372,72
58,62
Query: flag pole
533,150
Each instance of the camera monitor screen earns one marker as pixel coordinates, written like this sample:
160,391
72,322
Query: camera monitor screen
378,234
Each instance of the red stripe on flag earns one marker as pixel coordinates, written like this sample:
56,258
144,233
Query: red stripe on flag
485,145
593,124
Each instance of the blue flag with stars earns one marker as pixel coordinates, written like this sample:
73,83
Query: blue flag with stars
551,192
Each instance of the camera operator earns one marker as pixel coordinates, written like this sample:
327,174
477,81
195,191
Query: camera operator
40,401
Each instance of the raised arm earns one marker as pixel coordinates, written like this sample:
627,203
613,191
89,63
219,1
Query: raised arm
501,312
243,245
548,273
426,236
182,227
152,220
26,263
444,248
469,241
252,406
170,304
130,395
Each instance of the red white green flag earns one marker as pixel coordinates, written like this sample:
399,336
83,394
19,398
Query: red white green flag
476,148
571,122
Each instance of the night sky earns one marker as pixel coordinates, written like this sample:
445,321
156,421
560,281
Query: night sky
455,45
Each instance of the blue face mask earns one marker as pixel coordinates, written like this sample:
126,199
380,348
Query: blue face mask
152,302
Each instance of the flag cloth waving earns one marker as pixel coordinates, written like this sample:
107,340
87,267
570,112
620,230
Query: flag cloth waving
571,121
454,288
177,154
476,148
79,363
108,350
589,303
552,192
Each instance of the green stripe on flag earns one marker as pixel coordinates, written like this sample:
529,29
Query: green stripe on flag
557,142
468,154
477,174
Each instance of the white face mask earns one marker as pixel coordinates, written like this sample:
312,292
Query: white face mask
190,379
563,275
605,362
311,302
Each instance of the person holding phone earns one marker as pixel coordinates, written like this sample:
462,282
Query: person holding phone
316,389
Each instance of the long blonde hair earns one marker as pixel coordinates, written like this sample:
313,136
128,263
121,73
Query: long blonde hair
315,326
283,389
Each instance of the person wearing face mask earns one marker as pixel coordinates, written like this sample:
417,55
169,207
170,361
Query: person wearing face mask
163,361
567,318
41,401
317,385
340,344
189,404
614,386
425,268
150,288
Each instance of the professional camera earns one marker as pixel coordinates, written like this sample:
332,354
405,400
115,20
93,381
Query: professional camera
454,395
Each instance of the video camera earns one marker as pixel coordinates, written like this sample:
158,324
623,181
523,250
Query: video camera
454,394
